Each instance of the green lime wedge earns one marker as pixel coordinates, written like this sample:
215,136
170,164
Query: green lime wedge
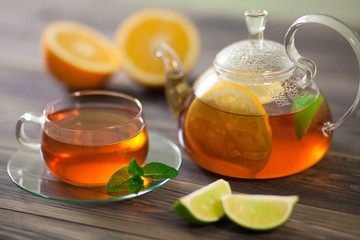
302,119
258,212
203,205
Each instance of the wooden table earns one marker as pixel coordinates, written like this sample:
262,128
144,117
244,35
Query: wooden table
329,206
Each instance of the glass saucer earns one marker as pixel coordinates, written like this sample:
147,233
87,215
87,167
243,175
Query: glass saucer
27,170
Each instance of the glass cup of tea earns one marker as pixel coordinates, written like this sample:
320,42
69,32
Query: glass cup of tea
87,136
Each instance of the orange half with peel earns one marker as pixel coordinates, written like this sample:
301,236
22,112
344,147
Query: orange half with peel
77,55
140,32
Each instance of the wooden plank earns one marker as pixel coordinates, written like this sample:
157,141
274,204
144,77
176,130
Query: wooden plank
30,226
152,210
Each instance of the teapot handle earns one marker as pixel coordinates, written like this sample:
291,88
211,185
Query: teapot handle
309,66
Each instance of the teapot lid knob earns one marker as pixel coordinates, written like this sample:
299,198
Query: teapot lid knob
255,58
255,22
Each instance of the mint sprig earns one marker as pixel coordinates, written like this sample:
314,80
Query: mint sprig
129,178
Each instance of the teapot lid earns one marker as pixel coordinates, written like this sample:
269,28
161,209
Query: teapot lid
255,57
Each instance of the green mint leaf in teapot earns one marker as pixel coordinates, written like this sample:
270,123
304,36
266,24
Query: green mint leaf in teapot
130,177
302,119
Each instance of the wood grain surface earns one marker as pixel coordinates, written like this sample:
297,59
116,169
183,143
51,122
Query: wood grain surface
329,205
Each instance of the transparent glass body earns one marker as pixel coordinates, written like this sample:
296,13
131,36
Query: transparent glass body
255,146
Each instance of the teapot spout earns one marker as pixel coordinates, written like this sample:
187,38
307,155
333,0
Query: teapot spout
176,87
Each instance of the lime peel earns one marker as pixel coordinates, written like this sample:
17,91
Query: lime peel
258,212
204,205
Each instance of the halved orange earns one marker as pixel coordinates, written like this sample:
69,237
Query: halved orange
229,128
77,55
140,32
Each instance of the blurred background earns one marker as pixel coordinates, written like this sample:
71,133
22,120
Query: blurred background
28,18
280,10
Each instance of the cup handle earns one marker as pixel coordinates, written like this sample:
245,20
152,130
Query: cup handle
21,135
309,66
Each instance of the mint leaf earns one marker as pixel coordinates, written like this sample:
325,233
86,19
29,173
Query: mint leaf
135,169
136,184
129,178
118,180
302,119
159,170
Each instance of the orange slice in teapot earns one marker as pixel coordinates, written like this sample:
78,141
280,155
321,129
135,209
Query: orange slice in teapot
229,123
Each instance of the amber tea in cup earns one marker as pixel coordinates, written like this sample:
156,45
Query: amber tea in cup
87,136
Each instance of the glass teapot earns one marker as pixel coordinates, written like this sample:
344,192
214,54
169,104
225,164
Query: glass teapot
256,113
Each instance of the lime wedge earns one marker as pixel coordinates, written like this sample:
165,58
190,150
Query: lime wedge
203,205
258,212
302,119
